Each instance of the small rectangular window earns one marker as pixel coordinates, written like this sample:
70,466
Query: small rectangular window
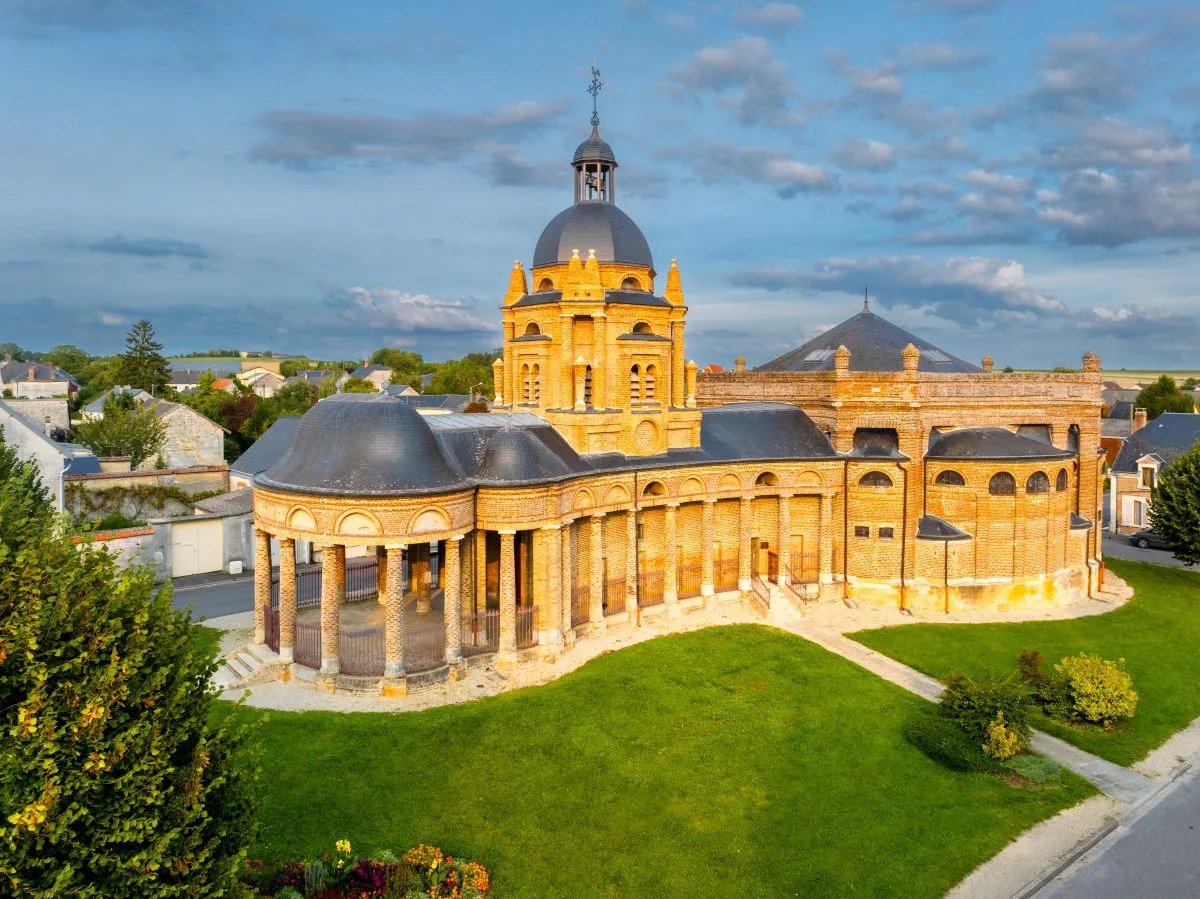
1147,476
886,533
861,530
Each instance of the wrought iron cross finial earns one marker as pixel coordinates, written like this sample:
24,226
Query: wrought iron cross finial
594,89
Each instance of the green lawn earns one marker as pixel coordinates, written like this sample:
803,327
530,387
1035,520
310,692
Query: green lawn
1157,633
734,761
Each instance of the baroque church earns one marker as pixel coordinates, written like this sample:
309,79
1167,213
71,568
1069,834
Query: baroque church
611,483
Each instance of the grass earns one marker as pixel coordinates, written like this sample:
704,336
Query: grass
735,761
1156,632
207,638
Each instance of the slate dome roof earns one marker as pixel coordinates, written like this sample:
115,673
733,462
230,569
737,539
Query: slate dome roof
992,444
362,444
516,455
594,149
593,225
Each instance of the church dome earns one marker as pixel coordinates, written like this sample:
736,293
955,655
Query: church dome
595,149
597,226
362,444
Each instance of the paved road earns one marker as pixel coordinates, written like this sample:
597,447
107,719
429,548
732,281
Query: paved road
1155,855
1121,548
215,595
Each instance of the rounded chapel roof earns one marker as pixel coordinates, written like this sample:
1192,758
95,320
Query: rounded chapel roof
593,225
594,149
354,444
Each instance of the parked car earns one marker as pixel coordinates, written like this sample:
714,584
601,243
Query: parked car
1147,539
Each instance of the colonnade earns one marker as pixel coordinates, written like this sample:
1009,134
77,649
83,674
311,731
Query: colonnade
554,581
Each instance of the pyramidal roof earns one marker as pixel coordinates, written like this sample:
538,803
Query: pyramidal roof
874,343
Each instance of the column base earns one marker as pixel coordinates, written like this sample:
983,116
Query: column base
597,626
569,638
423,605
325,683
744,584
506,660
260,636
456,668
393,687
393,669
826,577
671,601
707,590
330,667
287,654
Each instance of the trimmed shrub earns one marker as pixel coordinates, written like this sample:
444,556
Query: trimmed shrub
1029,667
1101,691
942,741
1002,741
1035,768
973,705
1050,692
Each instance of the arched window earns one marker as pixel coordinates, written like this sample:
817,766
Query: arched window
950,479
648,383
642,328
526,383
1038,483
767,479
1002,484
536,376
875,479
655,488
635,384
532,328
544,285
1060,483
631,283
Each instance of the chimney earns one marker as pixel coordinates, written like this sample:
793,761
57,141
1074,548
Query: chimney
7,358
1139,419
988,363
32,371
53,371
739,364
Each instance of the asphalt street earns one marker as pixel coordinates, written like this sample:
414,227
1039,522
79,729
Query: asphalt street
210,596
1154,855
1121,548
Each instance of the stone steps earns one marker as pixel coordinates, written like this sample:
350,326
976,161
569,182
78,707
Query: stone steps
244,666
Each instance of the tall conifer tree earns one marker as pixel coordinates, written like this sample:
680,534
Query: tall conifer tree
142,363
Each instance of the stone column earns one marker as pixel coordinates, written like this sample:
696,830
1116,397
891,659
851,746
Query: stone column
744,523
287,599
690,368
508,598
332,562
826,561
498,380
596,608
340,552
380,575
707,537
566,373
452,602
422,583
599,363
671,559
549,605
480,540
631,564
568,584
785,537
262,583
393,614
678,369
580,384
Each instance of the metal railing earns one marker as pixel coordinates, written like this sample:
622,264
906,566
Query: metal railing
272,622
581,599
361,583
689,577
527,634
614,596
424,648
307,651
804,568
650,591
361,653
725,575
481,632
760,595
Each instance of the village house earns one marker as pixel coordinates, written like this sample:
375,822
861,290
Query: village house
192,439
35,380
379,375
1149,448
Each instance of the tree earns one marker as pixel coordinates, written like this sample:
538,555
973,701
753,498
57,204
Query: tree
142,363
294,398
1162,396
126,429
461,375
327,387
70,359
116,782
1191,383
1175,506
358,385
19,354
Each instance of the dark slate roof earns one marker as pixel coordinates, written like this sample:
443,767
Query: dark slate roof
14,372
235,502
1115,427
363,370
1121,409
188,375
362,444
373,444
930,527
537,299
992,443
634,298
1170,436
452,401
314,375
96,406
592,225
874,344
1079,523
267,449
594,149
650,337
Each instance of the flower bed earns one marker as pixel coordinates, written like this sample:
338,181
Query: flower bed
424,872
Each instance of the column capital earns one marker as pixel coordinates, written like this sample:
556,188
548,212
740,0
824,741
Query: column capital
596,514
261,532
786,495
396,546
506,532
456,537
672,505
550,527
710,500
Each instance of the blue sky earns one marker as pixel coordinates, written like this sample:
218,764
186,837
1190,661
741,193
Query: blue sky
1009,176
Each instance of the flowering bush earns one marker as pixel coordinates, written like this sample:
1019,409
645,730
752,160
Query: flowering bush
1101,691
1003,742
424,872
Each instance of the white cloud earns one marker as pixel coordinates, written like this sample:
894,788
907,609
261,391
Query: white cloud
773,16
997,181
746,78
406,311
111,319
874,155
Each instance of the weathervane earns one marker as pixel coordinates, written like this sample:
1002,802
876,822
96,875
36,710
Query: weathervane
594,89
